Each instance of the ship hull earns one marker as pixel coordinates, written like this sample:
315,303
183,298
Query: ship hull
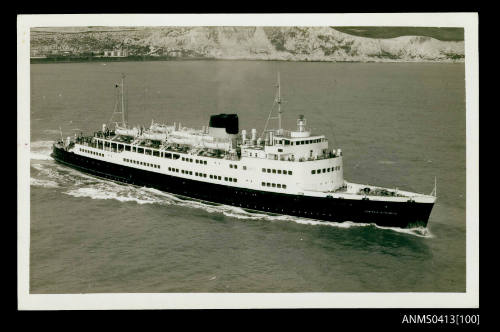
382,213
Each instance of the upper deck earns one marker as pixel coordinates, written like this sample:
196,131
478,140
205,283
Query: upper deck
280,145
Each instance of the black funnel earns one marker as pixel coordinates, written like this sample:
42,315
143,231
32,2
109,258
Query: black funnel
228,121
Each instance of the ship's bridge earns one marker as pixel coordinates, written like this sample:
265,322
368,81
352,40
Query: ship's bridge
298,145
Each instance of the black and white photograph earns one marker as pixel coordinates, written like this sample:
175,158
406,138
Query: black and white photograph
248,161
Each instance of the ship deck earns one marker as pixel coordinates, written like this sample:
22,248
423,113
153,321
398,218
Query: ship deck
369,192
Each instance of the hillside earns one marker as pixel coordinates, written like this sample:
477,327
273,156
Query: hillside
253,43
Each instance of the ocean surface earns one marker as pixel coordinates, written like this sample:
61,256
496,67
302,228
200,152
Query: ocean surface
398,124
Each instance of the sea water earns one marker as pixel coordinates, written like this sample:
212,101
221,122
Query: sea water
399,125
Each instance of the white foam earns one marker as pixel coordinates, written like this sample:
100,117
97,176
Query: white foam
41,150
40,156
110,190
43,183
416,231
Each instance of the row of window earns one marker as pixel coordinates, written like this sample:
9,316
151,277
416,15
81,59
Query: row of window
309,141
172,169
274,185
203,175
203,162
276,171
330,169
92,152
140,163
153,152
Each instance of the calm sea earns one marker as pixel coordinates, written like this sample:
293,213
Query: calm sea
398,125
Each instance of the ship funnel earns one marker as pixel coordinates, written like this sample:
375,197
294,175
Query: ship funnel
271,136
103,127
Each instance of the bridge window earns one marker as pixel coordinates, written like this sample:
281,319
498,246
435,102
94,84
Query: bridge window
313,172
289,172
274,171
264,170
284,186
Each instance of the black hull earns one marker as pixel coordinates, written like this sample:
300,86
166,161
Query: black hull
388,214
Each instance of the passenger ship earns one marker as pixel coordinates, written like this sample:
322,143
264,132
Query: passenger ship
280,172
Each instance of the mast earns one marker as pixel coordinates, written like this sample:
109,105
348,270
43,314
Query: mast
277,100
123,103
279,104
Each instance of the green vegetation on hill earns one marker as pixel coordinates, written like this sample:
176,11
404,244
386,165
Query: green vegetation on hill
444,34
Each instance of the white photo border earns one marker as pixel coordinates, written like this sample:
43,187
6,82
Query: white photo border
468,299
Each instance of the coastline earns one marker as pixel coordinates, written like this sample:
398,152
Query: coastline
66,59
